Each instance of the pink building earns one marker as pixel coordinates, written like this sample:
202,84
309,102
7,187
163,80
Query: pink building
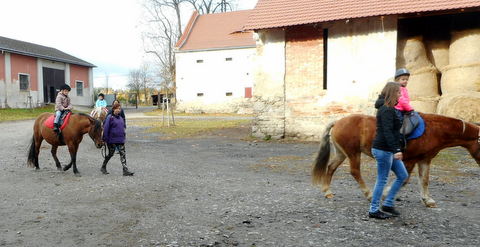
31,74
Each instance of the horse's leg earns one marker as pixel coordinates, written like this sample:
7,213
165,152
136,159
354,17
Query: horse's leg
423,179
54,154
356,173
332,167
73,154
38,145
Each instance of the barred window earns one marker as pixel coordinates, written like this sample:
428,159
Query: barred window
79,86
24,80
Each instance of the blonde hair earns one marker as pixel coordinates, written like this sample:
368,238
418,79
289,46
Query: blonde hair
390,92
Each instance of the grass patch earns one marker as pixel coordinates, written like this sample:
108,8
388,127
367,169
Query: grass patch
23,114
159,112
190,127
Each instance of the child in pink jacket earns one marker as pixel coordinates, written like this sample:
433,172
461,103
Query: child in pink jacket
401,76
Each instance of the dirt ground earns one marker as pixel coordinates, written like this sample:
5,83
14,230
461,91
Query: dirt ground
218,190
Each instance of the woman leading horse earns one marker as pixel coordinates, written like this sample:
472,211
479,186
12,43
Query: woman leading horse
78,125
351,136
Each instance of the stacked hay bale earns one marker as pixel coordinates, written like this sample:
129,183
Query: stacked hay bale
423,84
461,78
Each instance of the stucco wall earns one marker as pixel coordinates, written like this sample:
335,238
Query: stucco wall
361,57
269,89
214,77
13,64
76,73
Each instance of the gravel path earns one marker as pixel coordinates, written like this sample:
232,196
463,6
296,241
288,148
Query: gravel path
217,190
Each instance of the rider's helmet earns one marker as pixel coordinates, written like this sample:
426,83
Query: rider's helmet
65,87
401,72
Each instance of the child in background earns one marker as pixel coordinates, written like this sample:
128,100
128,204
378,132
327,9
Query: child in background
401,76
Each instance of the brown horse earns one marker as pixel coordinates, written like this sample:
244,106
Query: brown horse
78,125
353,135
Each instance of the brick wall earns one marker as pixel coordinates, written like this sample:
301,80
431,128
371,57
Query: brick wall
303,81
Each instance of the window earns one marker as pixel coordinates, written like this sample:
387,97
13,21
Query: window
79,86
200,94
229,94
24,80
200,61
325,57
228,59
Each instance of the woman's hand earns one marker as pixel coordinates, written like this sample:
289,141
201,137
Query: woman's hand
398,156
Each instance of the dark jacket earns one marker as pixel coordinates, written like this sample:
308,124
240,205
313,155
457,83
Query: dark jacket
388,136
114,130
122,114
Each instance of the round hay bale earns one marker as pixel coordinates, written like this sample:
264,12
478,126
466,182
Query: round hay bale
438,53
463,106
415,54
461,78
425,106
423,83
465,47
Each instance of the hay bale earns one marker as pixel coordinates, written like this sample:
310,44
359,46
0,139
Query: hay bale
425,105
461,78
465,47
462,105
438,53
423,83
414,54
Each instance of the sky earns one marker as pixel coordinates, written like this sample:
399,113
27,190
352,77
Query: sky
106,33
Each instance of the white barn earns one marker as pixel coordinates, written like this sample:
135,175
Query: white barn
214,64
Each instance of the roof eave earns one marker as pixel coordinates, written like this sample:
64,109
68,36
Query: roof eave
216,49
86,64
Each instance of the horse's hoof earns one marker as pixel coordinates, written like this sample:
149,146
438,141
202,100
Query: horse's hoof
429,203
77,174
66,168
329,195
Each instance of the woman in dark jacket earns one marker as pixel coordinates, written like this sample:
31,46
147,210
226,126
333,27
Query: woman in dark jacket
387,151
122,114
114,136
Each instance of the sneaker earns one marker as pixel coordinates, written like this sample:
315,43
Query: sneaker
128,173
379,215
390,210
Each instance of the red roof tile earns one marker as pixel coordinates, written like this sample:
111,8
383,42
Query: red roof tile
216,31
281,13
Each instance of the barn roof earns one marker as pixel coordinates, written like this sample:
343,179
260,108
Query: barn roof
40,51
282,13
216,31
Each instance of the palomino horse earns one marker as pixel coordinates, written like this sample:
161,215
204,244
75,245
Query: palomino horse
78,125
99,113
353,135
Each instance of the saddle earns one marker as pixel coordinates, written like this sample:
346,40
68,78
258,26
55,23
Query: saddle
413,125
63,120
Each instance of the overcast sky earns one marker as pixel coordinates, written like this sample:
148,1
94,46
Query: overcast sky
103,32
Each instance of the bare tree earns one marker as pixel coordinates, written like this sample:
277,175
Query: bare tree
212,6
135,83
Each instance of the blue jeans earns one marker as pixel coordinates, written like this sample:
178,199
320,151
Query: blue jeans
385,163
57,116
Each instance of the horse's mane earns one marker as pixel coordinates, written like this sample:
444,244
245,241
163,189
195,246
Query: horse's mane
98,124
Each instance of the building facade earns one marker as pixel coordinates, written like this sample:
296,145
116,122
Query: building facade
214,64
312,69
31,75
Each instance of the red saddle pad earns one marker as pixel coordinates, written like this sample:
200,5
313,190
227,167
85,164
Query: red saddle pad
49,122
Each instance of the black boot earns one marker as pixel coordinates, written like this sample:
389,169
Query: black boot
390,210
56,128
126,172
379,215
104,170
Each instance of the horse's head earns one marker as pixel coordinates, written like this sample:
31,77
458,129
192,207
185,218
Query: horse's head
96,132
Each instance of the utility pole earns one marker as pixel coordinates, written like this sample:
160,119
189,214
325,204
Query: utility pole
106,81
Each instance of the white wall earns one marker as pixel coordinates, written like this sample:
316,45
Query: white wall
214,78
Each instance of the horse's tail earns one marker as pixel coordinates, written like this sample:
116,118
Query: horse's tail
321,161
32,158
